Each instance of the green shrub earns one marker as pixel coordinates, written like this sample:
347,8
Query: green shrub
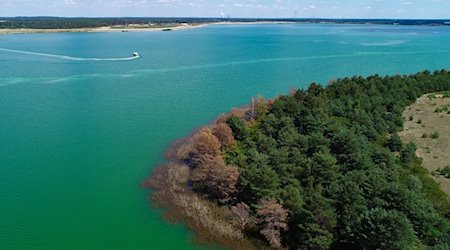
435,135
446,171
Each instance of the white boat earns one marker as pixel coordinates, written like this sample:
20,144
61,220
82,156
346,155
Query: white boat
135,54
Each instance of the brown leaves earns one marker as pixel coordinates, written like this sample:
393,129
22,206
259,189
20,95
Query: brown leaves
200,145
205,143
225,135
196,163
215,178
272,217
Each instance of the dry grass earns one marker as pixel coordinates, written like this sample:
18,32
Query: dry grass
212,223
421,122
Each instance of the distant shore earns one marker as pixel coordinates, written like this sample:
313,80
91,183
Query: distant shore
103,29
40,25
24,25
134,28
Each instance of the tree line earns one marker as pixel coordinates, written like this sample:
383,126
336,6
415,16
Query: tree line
83,22
321,168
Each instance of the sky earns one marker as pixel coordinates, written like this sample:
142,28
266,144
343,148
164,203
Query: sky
233,8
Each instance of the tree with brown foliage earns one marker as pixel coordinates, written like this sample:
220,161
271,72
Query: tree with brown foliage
225,135
215,178
272,218
191,150
241,214
221,119
205,143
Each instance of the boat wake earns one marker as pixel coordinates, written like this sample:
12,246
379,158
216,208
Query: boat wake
386,43
71,58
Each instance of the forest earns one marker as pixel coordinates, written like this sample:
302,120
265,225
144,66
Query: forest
319,168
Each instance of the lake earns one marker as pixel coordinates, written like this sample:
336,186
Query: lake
82,124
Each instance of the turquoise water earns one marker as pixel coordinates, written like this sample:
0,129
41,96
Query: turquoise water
78,134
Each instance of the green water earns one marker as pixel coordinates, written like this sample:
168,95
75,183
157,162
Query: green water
78,136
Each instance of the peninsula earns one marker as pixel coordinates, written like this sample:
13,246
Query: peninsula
321,168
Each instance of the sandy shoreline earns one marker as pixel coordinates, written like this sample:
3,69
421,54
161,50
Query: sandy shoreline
101,29
129,29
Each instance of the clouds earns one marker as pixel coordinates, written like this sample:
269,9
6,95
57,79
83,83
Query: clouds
234,8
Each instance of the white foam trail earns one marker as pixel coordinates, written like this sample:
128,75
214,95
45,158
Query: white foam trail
72,58
387,43
53,80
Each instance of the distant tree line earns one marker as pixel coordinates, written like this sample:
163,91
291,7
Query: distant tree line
321,168
74,23
78,22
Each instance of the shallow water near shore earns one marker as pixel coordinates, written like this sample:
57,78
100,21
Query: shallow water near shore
77,137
